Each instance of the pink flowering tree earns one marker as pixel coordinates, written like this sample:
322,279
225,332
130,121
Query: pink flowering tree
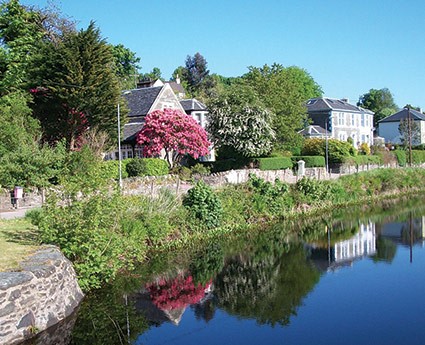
174,132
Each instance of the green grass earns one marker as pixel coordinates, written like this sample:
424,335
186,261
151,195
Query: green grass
18,239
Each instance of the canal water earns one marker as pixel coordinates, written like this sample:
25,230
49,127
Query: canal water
356,277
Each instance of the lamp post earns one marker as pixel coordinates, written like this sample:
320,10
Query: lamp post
119,148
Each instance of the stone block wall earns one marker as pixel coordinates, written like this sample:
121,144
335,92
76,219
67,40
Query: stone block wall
8,202
42,294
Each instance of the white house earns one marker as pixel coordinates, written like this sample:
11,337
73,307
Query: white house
388,127
342,119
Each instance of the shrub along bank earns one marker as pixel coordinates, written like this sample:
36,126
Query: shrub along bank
103,232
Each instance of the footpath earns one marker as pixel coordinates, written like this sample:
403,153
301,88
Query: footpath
15,213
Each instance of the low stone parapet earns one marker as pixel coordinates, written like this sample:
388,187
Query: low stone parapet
42,294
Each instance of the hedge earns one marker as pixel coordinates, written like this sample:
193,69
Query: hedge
364,160
418,156
401,157
147,167
229,164
310,161
274,163
110,169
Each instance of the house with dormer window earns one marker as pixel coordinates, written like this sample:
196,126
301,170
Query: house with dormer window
148,97
341,119
140,102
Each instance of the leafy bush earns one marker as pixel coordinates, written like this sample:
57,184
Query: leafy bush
204,204
94,233
32,166
418,156
313,189
110,169
401,157
364,149
269,198
364,160
200,169
147,167
338,151
310,161
274,163
155,214
229,164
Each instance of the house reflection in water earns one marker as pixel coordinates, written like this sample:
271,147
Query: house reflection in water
362,244
332,255
410,232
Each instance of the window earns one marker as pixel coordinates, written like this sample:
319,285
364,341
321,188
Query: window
138,151
353,119
363,120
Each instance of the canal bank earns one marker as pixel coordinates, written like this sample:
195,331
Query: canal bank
39,296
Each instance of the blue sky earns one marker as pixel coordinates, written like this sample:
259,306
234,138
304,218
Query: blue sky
348,47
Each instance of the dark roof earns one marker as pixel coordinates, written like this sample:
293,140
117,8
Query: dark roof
176,87
193,105
146,83
130,132
140,100
403,114
326,104
314,130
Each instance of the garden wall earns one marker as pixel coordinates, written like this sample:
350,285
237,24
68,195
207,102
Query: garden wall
42,294
8,202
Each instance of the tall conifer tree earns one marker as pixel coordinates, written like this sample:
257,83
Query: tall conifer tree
75,86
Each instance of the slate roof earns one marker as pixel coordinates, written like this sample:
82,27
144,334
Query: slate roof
314,130
326,104
176,87
193,105
140,100
403,114
130,131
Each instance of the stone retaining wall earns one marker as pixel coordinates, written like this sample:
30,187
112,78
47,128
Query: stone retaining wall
42,294
8,202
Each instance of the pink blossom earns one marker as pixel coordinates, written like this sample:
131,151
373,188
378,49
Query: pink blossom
172,130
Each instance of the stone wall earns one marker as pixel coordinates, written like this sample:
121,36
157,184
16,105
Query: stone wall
42,294
8,202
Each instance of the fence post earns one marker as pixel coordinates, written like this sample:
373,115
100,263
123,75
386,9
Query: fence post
178,185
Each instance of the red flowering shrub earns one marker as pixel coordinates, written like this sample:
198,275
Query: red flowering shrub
176,293
174,132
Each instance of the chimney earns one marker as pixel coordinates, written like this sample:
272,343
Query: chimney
346,100
177,79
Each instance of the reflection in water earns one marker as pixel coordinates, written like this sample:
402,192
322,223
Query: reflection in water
167,299
343,253
264,279
267,290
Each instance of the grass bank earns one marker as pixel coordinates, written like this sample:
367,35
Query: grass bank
103,233
18,239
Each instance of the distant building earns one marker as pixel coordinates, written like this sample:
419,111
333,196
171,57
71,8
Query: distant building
388,127
342,119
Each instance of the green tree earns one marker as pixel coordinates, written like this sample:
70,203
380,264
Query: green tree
284,91
17,127
22,29
126,63
410,132
152,75
75,87
238,119
196,75
381,102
